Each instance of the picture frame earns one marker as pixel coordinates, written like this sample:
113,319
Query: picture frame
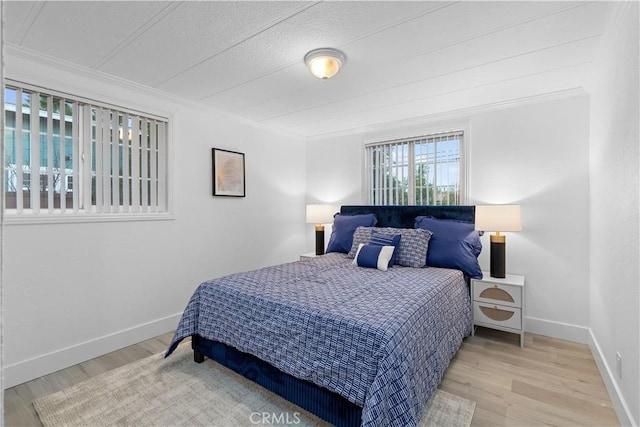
228,173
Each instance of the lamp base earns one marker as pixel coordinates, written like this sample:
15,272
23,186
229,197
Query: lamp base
498,258
319,239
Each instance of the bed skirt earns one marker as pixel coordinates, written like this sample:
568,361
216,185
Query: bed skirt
321,402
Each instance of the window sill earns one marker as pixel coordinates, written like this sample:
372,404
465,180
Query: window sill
26,218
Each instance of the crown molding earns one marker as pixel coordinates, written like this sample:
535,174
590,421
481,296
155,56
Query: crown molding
89,73
43,59
454,114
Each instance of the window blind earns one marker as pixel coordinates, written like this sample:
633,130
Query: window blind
425,170
66,155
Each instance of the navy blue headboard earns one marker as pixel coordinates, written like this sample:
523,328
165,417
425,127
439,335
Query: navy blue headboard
404,216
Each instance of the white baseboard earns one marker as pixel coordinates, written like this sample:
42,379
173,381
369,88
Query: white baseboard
584,335
619,403
30,369
560,330
36,367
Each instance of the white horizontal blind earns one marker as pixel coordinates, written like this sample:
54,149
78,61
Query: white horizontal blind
66,155
426,170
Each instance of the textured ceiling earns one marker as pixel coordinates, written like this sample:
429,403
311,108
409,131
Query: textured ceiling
404,59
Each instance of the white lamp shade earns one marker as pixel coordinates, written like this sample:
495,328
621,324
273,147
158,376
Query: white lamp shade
498,218
320,214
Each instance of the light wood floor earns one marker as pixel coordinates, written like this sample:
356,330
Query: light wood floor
549,382
18,410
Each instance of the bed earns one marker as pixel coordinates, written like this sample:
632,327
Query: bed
352,345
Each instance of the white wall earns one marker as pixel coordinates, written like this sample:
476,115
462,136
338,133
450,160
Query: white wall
2,195
535,155
614,206
75,291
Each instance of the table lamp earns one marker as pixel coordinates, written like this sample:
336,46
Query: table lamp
498,218
320,215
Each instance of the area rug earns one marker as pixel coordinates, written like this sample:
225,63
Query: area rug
178,392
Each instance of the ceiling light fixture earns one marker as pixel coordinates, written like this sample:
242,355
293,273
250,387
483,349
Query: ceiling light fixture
324,63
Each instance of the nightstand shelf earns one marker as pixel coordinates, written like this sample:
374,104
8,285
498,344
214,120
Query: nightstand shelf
499,303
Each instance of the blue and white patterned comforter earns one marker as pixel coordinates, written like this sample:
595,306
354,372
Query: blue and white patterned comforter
380,339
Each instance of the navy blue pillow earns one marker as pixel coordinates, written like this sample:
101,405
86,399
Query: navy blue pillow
382,239
343,228
374,256
454,244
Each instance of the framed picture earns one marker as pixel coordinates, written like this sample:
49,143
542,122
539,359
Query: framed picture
228,173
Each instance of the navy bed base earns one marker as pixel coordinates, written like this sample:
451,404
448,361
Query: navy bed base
321,402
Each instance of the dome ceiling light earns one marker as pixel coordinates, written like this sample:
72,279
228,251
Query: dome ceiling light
324,63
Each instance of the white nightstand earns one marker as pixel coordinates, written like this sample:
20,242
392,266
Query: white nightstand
308,255
499,303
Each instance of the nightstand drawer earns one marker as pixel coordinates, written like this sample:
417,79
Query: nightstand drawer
497,315
498,293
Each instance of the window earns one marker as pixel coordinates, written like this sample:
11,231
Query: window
66,155
427,170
